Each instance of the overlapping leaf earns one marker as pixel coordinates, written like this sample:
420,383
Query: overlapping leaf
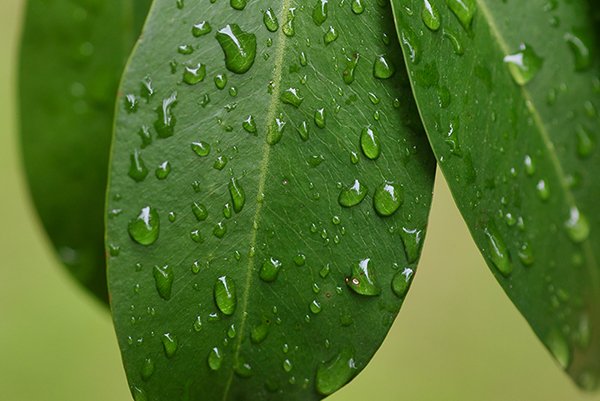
269,196
72,57
509,93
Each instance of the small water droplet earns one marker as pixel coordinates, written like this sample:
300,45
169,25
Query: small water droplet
558,346
238,4
270,269
320,117
330,35
201,28
199,211
292,96
259,332
147,368
543,190
165,122
163,170
288,27
287,365
370,143
220,230
194,74
335,373
144,229
357,7
215,359
201,148
412,239
169,345
137,168
238,196
585,142
315,307
351,64
580,49
498,253
401,282
388,198
352,195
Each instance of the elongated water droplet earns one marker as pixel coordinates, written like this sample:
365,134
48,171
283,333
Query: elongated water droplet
169,345
464,11
352,195
201,28
199,211
320,11
369,143
529,165
147,368
335,373
215,359
585,142
165,123
412,239
363,280
559,347
270,20
524,64
388,198
137,169
238,4
239,48
163,279
275,130
270,269
578,226
238,196
430,16
292,96
320,117
225,296
580,49
351,64
288,27
383,68
498,253
144,229
357,7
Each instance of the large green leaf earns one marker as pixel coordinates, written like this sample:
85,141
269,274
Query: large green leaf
72,56
249,266
509,93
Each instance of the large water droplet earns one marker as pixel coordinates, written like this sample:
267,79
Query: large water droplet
201,148
201,28
144,229
383,68
270,20
524,64
388,198
335,373
330,35
363,280
412,239
498,253
199,211
165,123
320,11
430,16
464,11
238,4
147,368
292,96
215,359
225,295
163,278
169,345
352,195
239,48
559,347
401,282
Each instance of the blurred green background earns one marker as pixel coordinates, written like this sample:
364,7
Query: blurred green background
457,338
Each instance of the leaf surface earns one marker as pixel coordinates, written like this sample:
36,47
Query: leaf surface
273,208
72,56
509,93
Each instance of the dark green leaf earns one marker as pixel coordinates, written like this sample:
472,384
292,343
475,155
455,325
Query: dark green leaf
72,55
509,92
269,263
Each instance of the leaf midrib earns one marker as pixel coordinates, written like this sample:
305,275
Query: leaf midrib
592,266
264,164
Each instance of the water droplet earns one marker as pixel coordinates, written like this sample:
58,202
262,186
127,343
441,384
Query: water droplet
198,323
383,68
220,163
215,359
169,345
315,306
578,226
464,11
287,365
249,125
558,346
270,20
220,230
292,96
275,130
585,142
163,278
319,14
529,165
412,239
259,332
138,394
199,211
147,368
201,28
137,169
239,48
580,50
357,7
165,123
352,195
351,64
303,130
363,280
288,27
457,46
401,282
369,143
430,16
388,198
498,253
185,49
201,148
195,74
147,90
330,35
335,373
225,296
324,272
238,196
542,190
524,64
238,4
163,170
270,270
320,117
242,368
526,255
131,103
144,229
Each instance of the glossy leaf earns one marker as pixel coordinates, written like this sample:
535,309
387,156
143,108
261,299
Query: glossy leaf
263,265
72,55
509,93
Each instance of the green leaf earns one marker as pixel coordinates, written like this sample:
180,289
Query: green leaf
509,94
72,55
269,262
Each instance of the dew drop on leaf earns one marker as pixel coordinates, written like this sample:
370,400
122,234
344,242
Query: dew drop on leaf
169,345
201,28
524,64
335,373
388,198
270,20
238,196
363,280
215,359
401,282
498,253
163,279
352,195
270,269
464,11
370,143
144,229
225,295
239,48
